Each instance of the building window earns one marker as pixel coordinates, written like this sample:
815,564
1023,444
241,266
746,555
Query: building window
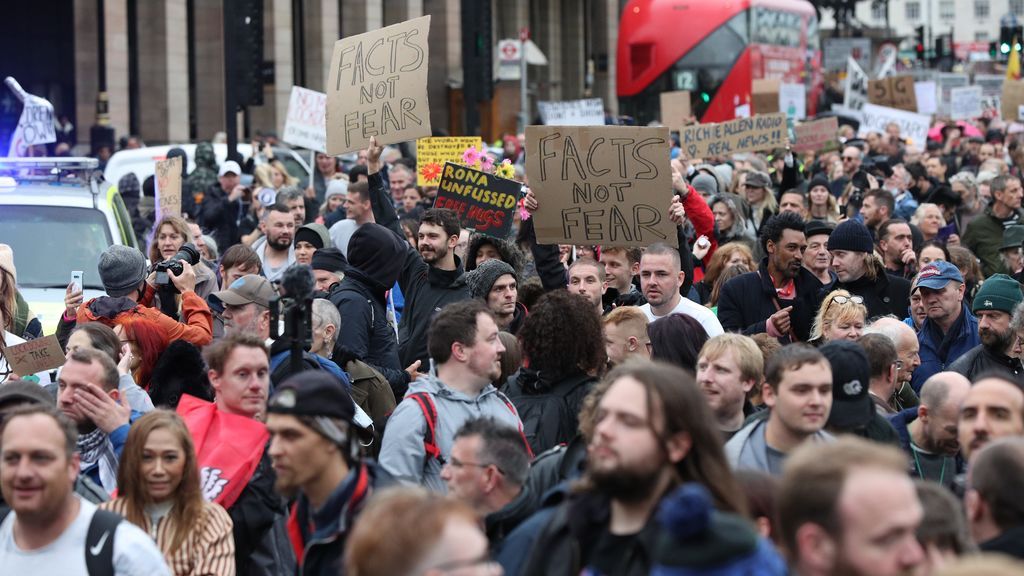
981,36
913,11
878,11
947,10
981,8
1017,7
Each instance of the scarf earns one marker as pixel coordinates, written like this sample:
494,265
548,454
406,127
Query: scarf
95,449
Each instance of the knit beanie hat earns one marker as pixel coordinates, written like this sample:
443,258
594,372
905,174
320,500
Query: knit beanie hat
851,235
705,184
336,187
7,261
696,539
818,180
999,292
315,234
485,275
121,270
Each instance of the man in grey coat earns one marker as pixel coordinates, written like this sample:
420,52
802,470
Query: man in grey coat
465,351
798,392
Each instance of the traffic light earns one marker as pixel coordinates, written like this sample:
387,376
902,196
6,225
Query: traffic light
1007,36
248,21
919,43
993,50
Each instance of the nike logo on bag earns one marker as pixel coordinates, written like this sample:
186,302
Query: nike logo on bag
95,550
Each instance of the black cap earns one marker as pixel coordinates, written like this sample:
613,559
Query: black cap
852,407
815,227
317,394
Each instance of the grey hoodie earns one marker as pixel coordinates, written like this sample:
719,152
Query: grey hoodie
747,449
402,453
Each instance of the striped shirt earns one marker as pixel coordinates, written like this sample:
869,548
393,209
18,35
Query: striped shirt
209,549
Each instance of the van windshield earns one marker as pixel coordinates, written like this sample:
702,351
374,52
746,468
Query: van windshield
51,241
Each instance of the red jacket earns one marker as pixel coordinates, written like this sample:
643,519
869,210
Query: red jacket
197,327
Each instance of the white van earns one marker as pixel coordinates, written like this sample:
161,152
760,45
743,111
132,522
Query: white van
141,160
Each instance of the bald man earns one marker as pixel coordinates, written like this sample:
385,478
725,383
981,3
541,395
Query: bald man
928,432
993,408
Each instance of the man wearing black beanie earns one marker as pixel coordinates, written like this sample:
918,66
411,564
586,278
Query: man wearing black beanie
862,274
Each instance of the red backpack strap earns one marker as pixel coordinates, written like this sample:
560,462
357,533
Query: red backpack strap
426,404
295,534
512,409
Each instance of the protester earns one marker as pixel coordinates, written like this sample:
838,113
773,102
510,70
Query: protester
853,411
992,500
729,366
494,281
993,306
161,493
943,531
993,408
896,246
169,235
816,257
651,432
275,249
661,279
841,317
949,330
984,234
798,393
834,501
881,353
50,528
308,239
861,274
677,339
315,452
465,348
625,335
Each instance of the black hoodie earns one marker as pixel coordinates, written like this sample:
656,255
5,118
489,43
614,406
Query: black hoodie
375,259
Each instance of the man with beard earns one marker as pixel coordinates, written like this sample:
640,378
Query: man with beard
816,256
276,252
798,392
661,277
928,432
466,350
648,432
993,305
993,408
861,274
781,297
984,234
494,282
878,207
896,245
316,457
849,509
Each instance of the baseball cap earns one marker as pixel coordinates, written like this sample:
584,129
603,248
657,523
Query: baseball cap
230,166
247,290
317,394
937,274
852,407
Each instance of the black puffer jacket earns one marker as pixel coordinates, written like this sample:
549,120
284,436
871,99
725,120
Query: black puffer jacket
980,359
747,301
885,294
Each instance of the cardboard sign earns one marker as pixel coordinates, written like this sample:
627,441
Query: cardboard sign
378,87
893,92
484,202
761,132
305,126
168,187
608,185
912,126
926,94
1013,98
764,96
432,153
965,103
35,125
39,355
675,109
589,112
817,136
793,100
855,95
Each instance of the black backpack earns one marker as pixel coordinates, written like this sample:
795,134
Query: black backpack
99,541
548,417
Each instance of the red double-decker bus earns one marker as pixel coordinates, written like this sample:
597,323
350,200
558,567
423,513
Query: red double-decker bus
715,49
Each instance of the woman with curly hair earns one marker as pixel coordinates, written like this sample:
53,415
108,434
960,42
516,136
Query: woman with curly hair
160,492
728,255
840,317
559,368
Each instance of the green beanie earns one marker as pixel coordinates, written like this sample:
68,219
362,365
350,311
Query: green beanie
999,292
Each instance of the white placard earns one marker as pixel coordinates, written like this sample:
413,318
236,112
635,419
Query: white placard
306,126
1020,112
793,100
965,103
913,127
589,112
926,92
856,95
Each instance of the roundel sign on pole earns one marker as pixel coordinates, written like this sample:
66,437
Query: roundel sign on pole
509,50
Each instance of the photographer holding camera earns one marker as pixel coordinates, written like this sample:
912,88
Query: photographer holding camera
130,293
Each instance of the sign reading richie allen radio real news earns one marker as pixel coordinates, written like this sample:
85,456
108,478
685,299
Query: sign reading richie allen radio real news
484,202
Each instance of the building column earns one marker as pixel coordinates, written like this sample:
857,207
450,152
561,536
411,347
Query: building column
605,27
115,20
397,11
358,16
445,65
546,30
209,48
163,67
321,34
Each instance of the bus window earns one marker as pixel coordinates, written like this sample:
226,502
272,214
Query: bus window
775,27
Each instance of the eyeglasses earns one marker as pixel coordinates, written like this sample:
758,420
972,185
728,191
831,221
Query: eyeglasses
456,463
843,300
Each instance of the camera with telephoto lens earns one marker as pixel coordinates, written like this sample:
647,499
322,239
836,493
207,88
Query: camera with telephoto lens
187,253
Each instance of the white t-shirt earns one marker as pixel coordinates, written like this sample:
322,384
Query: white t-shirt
135,553
690,308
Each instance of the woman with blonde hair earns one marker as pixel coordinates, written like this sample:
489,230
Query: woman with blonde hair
169,235
280,176
821,204
160,492
840,317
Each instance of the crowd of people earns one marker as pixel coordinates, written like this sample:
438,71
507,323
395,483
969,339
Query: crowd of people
823,378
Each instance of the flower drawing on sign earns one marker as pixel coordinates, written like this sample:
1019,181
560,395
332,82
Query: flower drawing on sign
431,171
